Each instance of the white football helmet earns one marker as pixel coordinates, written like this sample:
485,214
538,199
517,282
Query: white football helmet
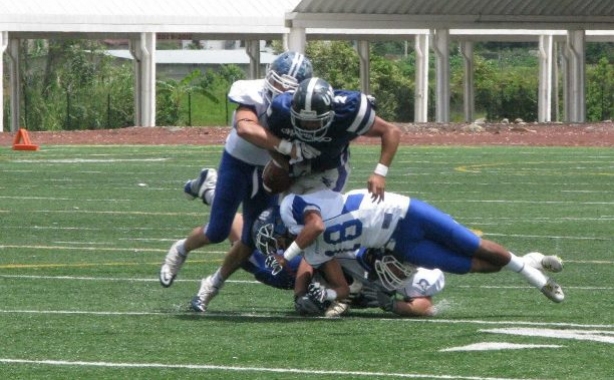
285,73
392,273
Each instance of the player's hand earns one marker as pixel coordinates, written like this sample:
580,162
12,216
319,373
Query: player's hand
385,301
377,187
317,292
303,151
276,263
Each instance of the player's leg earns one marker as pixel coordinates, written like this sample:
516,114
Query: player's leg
254,200
211,285
451,241
230,187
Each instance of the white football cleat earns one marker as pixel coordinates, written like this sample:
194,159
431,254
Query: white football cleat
196,188
172,263
553,291
336,309
550,263
205,295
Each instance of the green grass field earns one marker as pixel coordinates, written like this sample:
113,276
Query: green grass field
84,230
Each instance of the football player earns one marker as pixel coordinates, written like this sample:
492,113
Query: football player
355,111
328,223
323,122
239,181
378,279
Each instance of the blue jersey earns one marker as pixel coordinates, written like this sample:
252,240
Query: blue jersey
354,116
264,274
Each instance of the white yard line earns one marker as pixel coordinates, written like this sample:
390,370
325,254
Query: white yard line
206,367
133,279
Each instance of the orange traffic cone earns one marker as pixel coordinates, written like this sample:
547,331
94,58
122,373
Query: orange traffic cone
22,134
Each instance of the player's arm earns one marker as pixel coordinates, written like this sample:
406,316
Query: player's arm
390,136
312,228
248,127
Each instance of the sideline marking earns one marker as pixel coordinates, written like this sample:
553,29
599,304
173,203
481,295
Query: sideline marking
490,346
90,160
283,315
129,279
247,369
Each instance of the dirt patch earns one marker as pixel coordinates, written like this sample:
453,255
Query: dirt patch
598,135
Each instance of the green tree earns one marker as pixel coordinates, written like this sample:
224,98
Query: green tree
600,91
335,61
338,63
169,96
72,84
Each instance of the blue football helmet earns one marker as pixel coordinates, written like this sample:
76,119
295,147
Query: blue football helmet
269,232
285,73
312,109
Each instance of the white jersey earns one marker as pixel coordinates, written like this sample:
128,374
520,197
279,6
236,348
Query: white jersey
249,93
352,220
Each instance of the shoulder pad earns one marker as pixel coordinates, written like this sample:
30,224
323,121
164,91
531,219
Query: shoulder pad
248,92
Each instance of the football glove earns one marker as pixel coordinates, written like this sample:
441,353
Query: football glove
270,262
373,297
304,152
386,301
317,292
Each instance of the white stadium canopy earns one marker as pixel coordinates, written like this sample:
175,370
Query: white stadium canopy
432,23
465,21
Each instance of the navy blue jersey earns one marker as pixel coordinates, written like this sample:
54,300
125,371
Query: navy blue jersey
354,116
262,273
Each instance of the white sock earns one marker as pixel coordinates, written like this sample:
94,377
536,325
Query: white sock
534,276
516,263
217,279
181,248
331,295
